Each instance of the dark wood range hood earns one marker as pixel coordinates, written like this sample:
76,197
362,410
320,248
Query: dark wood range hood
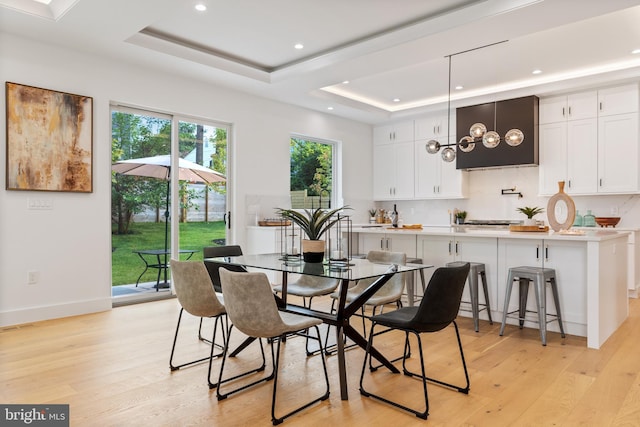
519,113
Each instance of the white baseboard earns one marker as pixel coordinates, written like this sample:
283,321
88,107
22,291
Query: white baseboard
37,314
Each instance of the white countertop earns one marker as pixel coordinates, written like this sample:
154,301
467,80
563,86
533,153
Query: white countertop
594,234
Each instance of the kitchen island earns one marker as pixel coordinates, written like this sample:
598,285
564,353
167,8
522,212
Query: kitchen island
591,269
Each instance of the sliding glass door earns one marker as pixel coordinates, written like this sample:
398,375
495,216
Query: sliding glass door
148,219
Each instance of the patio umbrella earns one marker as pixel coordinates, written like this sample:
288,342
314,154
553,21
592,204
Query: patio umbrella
160,167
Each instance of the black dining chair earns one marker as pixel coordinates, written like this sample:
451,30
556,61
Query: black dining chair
438,309
212,266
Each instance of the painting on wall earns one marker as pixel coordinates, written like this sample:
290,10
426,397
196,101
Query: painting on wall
49,140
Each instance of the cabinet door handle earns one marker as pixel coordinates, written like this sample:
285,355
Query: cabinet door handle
546,253
569,182
569,110
600,106
537,252
381,244
387,243
600,181
449,247
456,248
563,112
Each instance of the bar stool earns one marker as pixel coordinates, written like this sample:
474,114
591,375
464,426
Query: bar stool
410,281
477,269
540,277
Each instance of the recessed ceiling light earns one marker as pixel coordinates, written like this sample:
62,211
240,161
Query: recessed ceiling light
44,1
536,72
459,87
298,45
329,108
200,7
635,51
346,82
396,99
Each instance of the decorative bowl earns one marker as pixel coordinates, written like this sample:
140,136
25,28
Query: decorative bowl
607,221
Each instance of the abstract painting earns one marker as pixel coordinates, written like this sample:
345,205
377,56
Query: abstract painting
49,140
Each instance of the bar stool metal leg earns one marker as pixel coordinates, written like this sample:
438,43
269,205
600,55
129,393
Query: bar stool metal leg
556,299
483,278
473,293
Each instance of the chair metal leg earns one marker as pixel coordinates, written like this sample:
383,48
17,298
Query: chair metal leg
276,357
460,389
222,396
420,414
212,342
523,289
540,287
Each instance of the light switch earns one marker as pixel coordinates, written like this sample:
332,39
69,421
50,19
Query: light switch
40,204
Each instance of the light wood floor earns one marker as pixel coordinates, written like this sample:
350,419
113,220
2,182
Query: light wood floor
112,368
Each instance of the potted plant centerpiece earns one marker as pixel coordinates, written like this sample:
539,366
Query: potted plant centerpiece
530,212
314,223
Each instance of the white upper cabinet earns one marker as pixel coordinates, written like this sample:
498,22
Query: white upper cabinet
393,176
618,154
618,100
398,132
434,127
435,178
576,106
590,141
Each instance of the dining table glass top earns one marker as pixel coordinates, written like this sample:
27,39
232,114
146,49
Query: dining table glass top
353,269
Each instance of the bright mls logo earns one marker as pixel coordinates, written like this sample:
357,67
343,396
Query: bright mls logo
34,415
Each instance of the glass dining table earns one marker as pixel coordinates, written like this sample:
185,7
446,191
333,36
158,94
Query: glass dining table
347,271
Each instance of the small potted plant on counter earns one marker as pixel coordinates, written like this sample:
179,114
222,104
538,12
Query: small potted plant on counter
314,223
530,212
372,216
460,216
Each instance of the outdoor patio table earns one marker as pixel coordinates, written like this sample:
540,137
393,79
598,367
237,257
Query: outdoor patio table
353,270
160,262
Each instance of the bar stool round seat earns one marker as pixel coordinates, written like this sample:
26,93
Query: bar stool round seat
540,278
477,269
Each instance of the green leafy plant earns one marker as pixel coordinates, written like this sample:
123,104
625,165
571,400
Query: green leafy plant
314,222
530,211
461,214
372,212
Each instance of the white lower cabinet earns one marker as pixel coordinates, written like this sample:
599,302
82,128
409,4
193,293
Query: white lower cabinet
440,250
569,259
392,242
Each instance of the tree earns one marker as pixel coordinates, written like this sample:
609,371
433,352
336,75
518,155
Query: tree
311,167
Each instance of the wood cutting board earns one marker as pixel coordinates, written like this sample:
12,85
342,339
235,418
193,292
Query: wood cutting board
528,228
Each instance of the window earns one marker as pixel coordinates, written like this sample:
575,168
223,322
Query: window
314,176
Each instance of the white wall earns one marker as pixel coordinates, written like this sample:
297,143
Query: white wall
70,245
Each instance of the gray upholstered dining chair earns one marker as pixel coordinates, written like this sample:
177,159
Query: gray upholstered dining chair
253,311
309,287
390,292
438,309
197,297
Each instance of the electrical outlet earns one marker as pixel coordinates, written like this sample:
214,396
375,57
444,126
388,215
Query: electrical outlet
32,277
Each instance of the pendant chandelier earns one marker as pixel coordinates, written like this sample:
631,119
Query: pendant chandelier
477,133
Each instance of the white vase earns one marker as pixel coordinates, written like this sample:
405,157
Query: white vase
530,221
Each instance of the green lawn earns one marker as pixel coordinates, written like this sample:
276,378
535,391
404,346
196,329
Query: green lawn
127,266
